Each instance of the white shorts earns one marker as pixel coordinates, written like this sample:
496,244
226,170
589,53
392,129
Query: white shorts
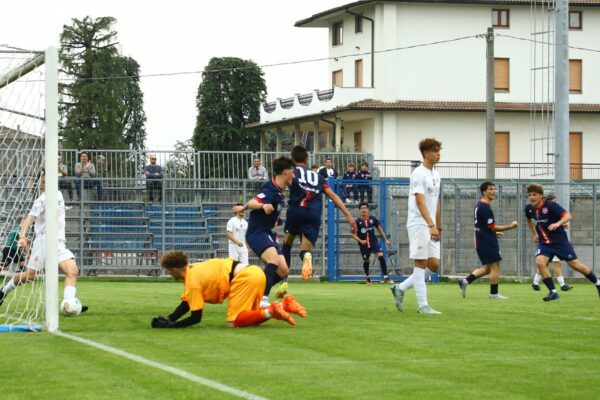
38,254
421,245
555,259
238,253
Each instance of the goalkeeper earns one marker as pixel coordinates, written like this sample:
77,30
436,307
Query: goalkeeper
215,280
12,253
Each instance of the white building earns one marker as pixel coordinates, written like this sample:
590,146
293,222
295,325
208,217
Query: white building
438,89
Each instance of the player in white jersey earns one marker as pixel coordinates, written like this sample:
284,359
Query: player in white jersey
424,226
66,259
236,233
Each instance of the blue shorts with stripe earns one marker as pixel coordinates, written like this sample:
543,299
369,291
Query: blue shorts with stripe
488,254
303,221
563,250
366,252
262,240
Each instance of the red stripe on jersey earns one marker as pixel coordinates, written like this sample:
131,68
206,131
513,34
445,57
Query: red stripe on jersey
490,226
325,185
306,199
563,213
259,200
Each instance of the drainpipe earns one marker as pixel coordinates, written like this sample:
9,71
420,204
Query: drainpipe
372,43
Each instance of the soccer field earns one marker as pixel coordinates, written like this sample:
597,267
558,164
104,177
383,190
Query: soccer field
354,344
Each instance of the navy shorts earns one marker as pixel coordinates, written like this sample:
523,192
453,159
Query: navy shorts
489,255
563,250
303,221
366,252
260,241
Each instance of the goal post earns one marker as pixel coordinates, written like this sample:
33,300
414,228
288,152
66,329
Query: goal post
28,143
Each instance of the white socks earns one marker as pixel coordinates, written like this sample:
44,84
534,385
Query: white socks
10,286
69,292
420,286
428,274
561,280
537,279
407,283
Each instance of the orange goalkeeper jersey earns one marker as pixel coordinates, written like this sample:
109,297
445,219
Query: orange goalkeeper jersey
207,282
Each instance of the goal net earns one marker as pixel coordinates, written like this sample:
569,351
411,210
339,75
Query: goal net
22,156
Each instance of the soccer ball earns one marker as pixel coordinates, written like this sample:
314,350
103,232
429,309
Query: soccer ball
70,307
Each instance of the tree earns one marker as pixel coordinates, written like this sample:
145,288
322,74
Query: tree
101,104
229,97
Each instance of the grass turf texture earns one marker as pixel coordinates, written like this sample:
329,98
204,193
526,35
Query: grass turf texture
353,345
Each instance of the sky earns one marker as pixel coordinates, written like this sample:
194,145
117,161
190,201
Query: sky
180,36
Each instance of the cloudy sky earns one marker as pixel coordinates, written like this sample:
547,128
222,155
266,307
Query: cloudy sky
178,36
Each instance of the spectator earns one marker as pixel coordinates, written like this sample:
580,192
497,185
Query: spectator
365,175
64,184
236,233
86,170
257,174
349,175
314,168
154,177
327,170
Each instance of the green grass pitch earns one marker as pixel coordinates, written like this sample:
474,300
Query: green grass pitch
353,345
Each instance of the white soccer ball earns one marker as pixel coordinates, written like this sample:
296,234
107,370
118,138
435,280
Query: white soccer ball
70,307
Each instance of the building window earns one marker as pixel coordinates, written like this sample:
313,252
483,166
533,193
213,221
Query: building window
500,18
358,73
358,142
358,24
575,76
502,149
575,159
337,78
501,74
575,21
337,32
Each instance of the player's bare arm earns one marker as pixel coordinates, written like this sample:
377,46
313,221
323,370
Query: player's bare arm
233,239
502,228
359,240
383,235
25,225
422,206
532,229
254,204
340,204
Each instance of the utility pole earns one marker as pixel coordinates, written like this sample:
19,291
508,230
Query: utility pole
561,104
490,115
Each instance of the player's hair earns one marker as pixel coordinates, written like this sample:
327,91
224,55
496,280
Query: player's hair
551,197
535,188
364,163
351,165
429,144
485,185
174,259
363,203
299,154
314,166
281,164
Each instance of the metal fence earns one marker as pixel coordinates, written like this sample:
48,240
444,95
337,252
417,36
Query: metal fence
458,253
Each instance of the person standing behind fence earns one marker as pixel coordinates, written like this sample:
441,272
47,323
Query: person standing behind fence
154,179
557,270
86,171
64,184
424,225
236,233
486,242
363,189
350,175
327,170
257,174
546,220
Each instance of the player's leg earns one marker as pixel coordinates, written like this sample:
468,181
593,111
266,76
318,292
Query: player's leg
494,281
560,277
365,253
537,278
306,248
68,266
463,283
23,277
586,271
541,261
276,268
383,266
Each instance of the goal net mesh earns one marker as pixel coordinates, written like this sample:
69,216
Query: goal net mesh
22,125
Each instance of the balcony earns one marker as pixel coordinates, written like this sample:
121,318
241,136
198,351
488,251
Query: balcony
312,103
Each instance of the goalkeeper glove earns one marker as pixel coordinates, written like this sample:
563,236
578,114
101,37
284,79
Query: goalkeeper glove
161,322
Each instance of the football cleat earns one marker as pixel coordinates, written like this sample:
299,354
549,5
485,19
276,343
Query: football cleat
282,290
497,296
290,305
535,287
566,288
307,270
427,310
368,281
387,280
84,309
552,296
398,297
264,302
462,286
276,310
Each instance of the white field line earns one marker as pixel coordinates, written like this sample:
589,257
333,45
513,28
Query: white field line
175,371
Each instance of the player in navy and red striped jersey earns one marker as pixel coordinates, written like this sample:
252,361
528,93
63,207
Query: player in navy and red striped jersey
303,217
546,220
486,242
263,218
368,242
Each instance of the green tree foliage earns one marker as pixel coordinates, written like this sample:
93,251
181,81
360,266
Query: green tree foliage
229,97
97,112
